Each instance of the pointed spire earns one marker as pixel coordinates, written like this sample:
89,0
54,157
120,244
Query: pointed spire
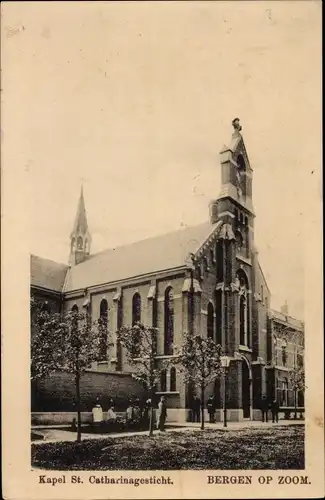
80,223
80,237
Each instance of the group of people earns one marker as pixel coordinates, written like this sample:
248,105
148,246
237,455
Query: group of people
98,414
196,409
267,405
135,412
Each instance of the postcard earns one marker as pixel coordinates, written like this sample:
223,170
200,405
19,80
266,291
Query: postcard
162,250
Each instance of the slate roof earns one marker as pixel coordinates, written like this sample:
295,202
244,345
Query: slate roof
47,274
142,257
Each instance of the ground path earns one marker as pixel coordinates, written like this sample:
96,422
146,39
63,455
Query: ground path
57,434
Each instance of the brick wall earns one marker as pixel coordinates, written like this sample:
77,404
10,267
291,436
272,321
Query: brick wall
57,393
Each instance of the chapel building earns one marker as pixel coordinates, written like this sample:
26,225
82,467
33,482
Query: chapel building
153,281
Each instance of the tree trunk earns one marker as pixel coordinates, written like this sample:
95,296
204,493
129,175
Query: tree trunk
151,421
78,405
295,402
202,407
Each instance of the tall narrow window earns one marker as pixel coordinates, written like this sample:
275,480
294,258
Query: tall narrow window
136,318
239,241
169,321
75,308
242,312
284,353
79,243
163,381
218,317
136,309
241,163
285,390
210,321
243,309
103,325
173,379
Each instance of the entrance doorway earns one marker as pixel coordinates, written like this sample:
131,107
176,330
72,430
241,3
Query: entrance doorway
246,390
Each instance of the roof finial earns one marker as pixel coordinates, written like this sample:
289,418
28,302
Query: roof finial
235,123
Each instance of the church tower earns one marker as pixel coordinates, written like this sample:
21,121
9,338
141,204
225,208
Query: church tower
236,179
234,208
80,237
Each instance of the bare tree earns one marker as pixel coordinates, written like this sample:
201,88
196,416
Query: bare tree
140,342
199,361
68,341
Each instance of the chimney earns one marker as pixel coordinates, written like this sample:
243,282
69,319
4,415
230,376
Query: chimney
284,309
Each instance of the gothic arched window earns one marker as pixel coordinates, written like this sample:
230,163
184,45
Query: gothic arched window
239,241
173,379
136,308
219,317
242,322
241,163
243,308
284,353
79,243
163,381
136,318
103,323
75,308
210,321
169,321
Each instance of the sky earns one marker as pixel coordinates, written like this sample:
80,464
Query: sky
135,101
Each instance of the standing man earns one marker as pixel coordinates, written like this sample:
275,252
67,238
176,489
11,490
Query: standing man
275,411
264,409
211,407
196,409
161,414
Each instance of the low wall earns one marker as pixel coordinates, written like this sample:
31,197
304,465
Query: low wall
65,417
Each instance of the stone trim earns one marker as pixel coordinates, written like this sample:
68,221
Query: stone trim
245,348
117,296
152,292
259,361
245,260
170,393
165,356
226,213
187,286
176,296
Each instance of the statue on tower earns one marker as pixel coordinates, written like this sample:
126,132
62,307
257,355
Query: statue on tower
235,123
